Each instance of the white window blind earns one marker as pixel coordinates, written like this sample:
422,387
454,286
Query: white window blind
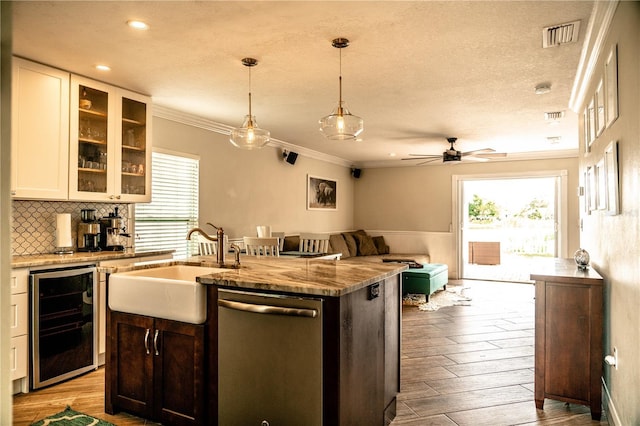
164,223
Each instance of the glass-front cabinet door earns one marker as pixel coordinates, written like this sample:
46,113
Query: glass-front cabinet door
134,183
110,143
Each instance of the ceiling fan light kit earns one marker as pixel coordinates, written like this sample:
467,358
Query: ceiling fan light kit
341,124
249,136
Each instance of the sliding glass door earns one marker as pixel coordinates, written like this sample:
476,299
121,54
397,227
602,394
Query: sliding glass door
507,223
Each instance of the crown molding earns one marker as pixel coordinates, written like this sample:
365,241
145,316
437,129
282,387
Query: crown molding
595,36
224,129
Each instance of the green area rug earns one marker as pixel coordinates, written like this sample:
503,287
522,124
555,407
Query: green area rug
69,417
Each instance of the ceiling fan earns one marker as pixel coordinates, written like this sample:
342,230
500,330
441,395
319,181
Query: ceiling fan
453,154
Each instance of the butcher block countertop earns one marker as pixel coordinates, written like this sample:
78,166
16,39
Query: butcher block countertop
320,277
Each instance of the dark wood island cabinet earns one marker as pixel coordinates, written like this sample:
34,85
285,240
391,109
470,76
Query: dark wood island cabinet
359,360
156,369
568,335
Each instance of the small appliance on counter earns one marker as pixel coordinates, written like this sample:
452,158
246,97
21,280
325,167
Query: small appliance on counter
112,235
88,231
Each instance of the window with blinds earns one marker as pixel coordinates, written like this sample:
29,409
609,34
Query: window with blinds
164,223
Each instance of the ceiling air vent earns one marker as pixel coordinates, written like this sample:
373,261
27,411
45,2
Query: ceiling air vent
555,115
560,34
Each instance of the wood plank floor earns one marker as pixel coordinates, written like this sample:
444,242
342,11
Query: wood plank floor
461,365
473,365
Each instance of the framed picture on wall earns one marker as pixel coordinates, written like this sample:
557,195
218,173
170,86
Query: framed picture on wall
591,113
611,84
601,184
591,189
611,170
321,193
587,135
599,105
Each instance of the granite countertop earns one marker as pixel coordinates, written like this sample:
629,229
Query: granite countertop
320,277
34,260
305,276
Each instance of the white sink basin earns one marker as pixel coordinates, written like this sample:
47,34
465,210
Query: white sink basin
169,292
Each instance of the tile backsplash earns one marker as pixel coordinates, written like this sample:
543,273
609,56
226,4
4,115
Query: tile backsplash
33,226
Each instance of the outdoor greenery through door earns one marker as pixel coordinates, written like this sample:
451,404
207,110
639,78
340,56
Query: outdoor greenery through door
507,225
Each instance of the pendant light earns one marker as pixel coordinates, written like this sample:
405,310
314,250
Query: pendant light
249,136
341,124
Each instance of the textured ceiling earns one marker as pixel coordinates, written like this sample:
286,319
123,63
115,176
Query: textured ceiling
416,71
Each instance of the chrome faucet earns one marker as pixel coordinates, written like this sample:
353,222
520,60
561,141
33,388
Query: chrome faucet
219,238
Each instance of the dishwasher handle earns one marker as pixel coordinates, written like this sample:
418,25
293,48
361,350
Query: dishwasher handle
267,309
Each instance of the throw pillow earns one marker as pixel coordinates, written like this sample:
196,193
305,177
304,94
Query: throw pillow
339,245
351,243
381,246
291,243
366,247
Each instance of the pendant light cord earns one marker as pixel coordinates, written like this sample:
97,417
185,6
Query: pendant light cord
249,91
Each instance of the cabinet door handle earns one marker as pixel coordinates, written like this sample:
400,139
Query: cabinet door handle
146,341
155,342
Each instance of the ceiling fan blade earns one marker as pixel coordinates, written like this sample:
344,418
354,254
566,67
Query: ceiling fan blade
474,158
491,155
423,157
428,161
479,151
426,155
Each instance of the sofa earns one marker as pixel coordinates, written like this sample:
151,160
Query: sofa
360,246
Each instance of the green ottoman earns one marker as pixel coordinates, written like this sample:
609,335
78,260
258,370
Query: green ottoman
425,280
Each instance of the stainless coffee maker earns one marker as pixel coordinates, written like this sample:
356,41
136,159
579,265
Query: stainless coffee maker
112,236
88,231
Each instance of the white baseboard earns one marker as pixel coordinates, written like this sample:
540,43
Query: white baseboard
609,406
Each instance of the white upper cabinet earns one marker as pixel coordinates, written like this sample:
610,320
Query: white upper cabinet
39,131
109,143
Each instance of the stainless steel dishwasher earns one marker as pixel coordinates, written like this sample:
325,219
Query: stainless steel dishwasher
270,359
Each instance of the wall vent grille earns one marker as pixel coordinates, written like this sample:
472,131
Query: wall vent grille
560,34
555,115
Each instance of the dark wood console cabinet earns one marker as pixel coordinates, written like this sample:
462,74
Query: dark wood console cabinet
568,335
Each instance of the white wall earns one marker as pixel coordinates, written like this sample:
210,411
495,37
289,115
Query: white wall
242,189
419,200
613,241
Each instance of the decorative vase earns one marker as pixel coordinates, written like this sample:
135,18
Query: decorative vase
581,256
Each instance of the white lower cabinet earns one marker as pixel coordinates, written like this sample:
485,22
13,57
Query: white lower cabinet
19,325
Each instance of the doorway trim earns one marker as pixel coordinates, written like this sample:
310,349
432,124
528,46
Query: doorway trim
562,206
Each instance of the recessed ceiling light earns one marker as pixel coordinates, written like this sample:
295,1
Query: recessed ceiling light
543,88
138,25
392,154
103,67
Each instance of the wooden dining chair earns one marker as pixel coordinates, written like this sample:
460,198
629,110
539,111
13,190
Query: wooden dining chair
209,248
314,243
280,237
255,246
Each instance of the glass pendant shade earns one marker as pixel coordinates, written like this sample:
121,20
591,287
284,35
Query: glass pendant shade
341,124
249,136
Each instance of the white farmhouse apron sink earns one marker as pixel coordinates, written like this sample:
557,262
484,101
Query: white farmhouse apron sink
169,292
